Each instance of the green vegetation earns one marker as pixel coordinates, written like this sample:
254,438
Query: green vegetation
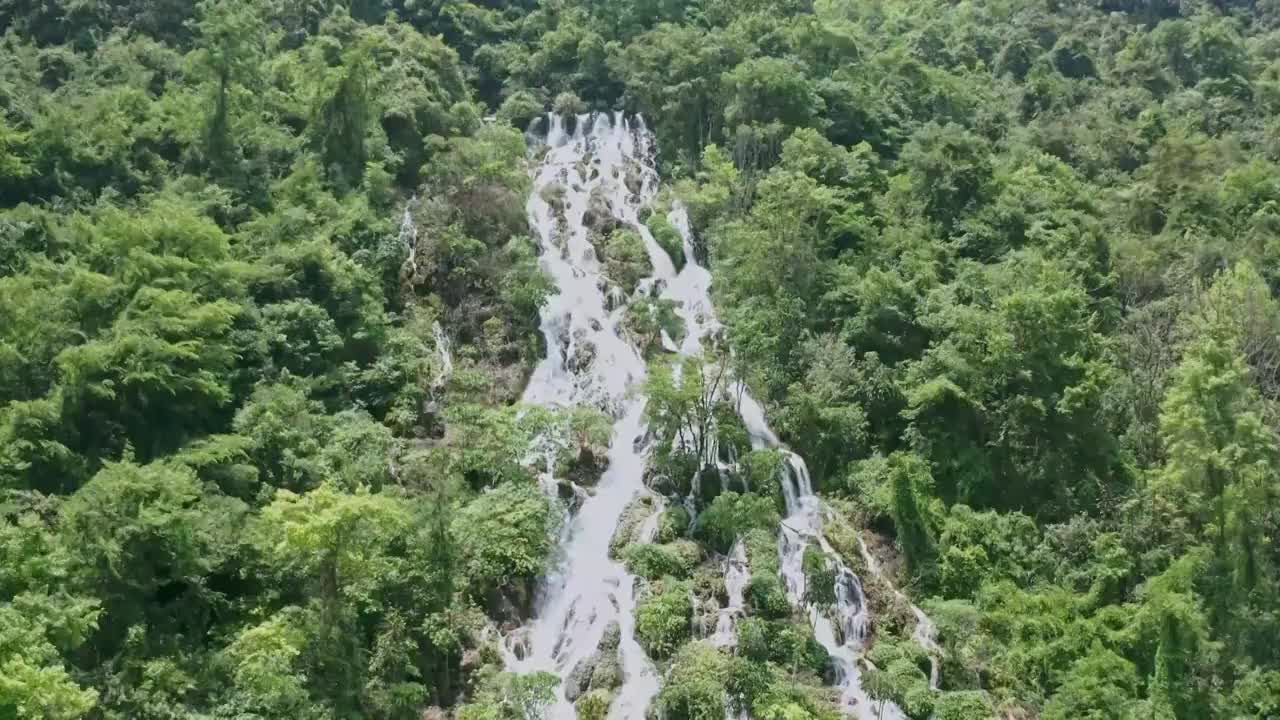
653,562
696,687
663,617
731,515
667,237
1003,272
647,319
625,260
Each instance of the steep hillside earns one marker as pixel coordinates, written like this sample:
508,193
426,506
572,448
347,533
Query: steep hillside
688,359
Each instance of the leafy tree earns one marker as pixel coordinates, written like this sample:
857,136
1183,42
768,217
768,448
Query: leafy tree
1220,453
697,687
504,535
1101,685
731,515
663,618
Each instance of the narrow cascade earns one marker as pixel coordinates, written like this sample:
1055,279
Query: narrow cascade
842,632
446,356
925,633
803,524
592,169
736,575
409,234
648,531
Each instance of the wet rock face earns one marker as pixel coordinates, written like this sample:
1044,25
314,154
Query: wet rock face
628,523
578,680
472,659
433,425
562,335
518,642
599,216
608,670
659,482
614,298
634,181
600,670
612,637
572,495
589,466
584,352
511,604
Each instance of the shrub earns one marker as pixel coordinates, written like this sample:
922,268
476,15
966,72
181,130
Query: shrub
766,597
568,103
695,688
520,108
732,514
594,705
625,259
652,562
819,577
966,705
674,524
668,238
664,617
505,534
762,471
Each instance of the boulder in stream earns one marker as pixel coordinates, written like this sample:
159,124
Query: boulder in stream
599,216
600,670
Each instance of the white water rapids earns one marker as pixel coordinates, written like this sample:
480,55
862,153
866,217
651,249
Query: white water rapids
592,362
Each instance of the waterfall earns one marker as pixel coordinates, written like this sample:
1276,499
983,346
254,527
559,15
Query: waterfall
589,166
409,235
603,164
842,630
736,576
446,356
843,638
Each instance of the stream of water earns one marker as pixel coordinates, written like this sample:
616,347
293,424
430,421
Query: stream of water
604,164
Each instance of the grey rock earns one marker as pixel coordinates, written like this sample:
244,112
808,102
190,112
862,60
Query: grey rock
584,353
612,637
578,681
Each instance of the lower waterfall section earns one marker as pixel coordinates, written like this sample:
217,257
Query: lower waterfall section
593,172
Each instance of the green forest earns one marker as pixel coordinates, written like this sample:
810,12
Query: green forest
1004,272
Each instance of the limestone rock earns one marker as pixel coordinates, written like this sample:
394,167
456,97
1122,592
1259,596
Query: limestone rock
578,681
589,466
599,215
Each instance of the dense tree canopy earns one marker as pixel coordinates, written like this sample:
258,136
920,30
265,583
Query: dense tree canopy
1003,272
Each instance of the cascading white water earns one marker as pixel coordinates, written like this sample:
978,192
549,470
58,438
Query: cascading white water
446,355
736,576
843,631
409,235
590,362
803,524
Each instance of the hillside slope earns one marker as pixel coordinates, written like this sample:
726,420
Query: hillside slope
934,371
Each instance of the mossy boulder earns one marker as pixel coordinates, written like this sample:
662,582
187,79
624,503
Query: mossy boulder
599,671
629,523
599,216
594,705
625,259
674,524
